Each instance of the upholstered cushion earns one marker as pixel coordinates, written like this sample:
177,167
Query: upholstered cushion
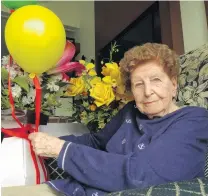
193,79
194,187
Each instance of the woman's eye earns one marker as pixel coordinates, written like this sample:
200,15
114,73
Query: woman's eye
138,84
156,79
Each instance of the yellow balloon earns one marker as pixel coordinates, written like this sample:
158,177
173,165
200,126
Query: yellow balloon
35,38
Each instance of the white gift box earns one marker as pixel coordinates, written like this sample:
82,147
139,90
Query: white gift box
16,163
17,167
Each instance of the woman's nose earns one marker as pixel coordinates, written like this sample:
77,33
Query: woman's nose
147,90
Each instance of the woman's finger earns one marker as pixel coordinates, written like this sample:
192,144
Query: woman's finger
31,136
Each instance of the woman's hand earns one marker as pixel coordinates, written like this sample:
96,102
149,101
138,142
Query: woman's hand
46,145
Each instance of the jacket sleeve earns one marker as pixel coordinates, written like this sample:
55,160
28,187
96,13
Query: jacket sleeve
179,154
100,139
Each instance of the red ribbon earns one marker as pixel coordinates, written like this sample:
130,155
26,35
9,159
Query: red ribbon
25,130
37,118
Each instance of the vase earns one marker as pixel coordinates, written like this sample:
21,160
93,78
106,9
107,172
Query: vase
6,114
31,118
7,121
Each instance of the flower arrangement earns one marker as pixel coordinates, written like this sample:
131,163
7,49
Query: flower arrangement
97,100
23,90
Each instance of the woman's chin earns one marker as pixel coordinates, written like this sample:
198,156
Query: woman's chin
151,113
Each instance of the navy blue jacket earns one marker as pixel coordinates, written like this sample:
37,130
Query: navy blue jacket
133,151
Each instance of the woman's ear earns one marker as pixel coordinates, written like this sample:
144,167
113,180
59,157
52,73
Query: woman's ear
175,85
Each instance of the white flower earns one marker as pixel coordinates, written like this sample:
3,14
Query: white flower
5,60
16,91
57,78
13,73
52,86
25,101
30,97
46,96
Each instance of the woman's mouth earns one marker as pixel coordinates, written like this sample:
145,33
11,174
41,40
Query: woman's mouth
149,102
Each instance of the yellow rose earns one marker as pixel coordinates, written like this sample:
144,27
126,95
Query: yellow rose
95,80
102,93
76,86
92,72
82,62
111,69
90,69
90,66
109,80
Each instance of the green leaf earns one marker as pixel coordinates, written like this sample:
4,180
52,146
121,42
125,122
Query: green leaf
189,88
204,94
5,102
4,74
204,71
180,96
187,95
192,75
22,81
200,101
194,103
62,84
202,87
85,104
191,65
180,103
6,92
182,80
194,84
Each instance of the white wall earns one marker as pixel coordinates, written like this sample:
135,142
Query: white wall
87,29
79,14
67,11
194,24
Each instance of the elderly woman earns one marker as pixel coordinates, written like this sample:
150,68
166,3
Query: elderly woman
151,140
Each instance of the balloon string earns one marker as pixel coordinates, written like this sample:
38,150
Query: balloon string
37,116
37,102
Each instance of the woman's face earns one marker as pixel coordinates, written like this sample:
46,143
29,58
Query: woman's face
153,90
